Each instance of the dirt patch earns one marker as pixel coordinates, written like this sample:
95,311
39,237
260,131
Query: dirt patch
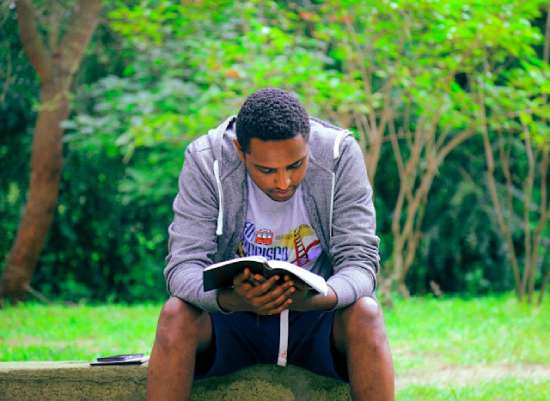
464,375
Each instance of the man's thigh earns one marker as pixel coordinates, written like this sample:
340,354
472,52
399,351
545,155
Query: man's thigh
242,339
311,344
205,332
239,340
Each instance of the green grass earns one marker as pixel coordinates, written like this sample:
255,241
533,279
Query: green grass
61,333
504,390
463,332
427,336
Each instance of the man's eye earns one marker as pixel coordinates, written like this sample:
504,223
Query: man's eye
266,170
296,165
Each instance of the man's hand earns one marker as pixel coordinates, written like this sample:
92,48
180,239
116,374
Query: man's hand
255,293
304,299
301,298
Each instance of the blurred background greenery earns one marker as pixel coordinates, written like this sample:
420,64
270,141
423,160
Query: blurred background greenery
433,90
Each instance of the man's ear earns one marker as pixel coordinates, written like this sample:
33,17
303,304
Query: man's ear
239,149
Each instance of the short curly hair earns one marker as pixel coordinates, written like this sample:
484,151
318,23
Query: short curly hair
271,114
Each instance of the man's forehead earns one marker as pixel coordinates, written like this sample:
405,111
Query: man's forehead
278,152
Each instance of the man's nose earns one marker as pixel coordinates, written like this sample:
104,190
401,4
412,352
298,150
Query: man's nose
282,180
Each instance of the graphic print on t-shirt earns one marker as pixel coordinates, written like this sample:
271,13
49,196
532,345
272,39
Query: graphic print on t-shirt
299,245
278,230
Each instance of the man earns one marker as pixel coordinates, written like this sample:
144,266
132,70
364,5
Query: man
273,182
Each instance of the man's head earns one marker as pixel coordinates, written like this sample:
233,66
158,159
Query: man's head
272,134
271,115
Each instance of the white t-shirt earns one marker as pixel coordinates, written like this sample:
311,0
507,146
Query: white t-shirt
278,230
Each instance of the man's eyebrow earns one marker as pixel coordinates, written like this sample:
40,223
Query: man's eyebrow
273,168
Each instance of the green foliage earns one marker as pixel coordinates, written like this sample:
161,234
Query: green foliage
461,249
160,73
137,126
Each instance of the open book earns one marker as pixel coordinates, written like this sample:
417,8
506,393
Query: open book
220,275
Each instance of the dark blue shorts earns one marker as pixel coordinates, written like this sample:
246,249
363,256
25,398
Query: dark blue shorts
243,339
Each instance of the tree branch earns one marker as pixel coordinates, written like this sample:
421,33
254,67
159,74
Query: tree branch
32,43
490,173
454,142
529,268
360,56
544,206
543,220
546,53
79,32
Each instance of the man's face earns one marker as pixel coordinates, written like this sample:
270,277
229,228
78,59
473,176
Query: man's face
276,167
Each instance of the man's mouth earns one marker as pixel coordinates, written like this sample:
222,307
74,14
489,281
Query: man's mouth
282,194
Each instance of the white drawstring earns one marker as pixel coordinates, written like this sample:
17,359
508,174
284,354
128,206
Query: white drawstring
283,338
336,155
219,228
339,137
331,204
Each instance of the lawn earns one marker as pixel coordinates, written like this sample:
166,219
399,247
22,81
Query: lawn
489,348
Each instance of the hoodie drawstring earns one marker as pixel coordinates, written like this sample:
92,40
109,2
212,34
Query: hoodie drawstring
219,228
335,154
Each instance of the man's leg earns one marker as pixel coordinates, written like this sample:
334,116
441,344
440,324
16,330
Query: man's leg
182,331
359,333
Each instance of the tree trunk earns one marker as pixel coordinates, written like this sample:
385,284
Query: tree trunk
46,163
56,68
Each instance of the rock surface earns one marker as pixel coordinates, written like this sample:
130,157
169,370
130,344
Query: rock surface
77,381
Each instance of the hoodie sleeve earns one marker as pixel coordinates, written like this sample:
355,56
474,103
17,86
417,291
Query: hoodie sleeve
192,238
353,245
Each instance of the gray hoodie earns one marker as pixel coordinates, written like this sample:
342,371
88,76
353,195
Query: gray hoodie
210,208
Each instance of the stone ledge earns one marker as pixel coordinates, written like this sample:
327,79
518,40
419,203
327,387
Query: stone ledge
77,381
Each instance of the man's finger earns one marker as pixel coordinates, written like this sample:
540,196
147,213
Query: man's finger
265,287
270,298
280,308
240,278
299,284
280,301
256,279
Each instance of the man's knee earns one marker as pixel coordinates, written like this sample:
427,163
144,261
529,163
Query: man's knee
178,319
363,320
